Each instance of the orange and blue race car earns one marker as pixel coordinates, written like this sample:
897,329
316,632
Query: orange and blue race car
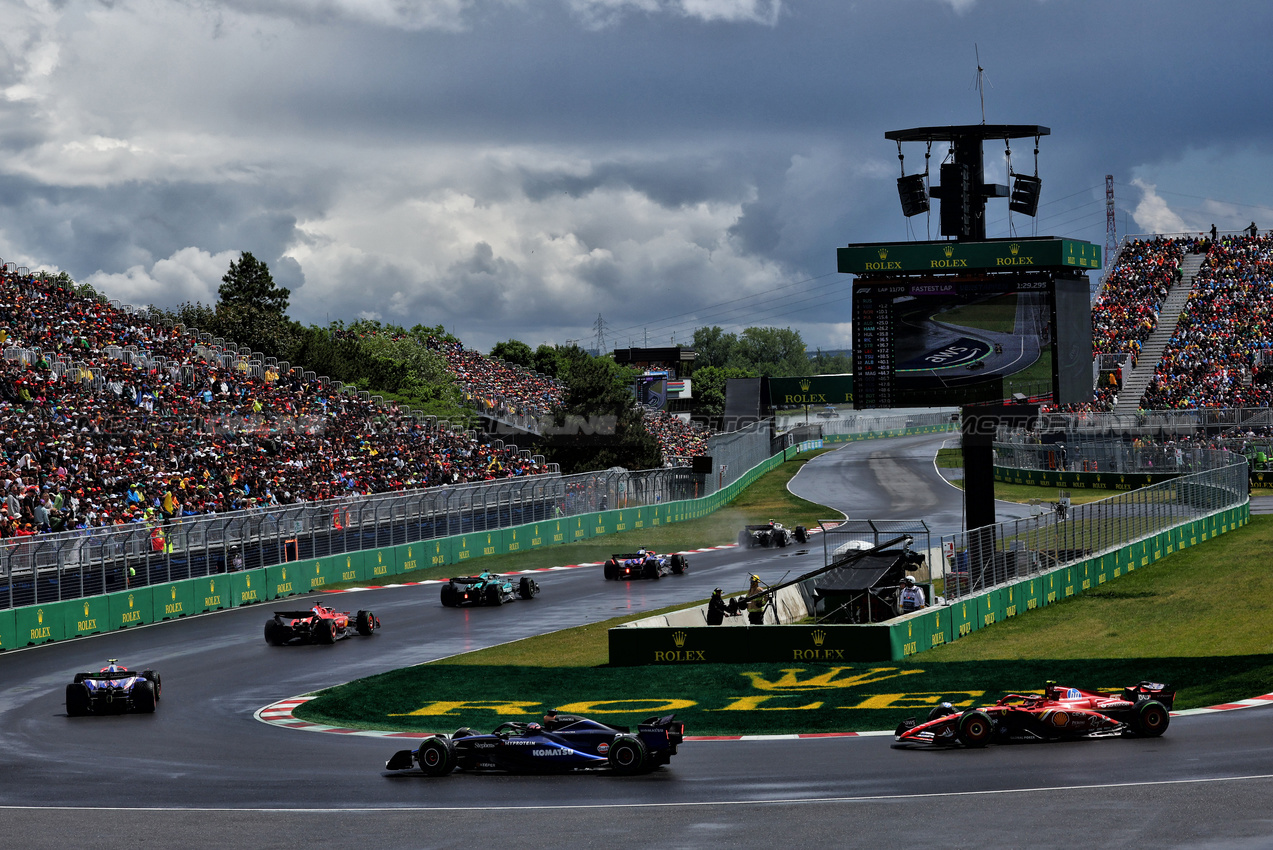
319,624
644,563
113,690
1059,713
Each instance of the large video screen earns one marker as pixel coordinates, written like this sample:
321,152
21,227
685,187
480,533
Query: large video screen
921,342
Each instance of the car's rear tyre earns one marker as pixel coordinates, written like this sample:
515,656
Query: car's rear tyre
527,588
448,595
153,677
679,565
651,570
975,728
1152,719
76,700
324,631
627,755
802,534
144,696
365,623
610,570
494,596
275,634
436,756
79,677
780,539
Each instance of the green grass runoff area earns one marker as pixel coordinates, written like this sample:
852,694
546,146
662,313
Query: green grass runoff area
1197,619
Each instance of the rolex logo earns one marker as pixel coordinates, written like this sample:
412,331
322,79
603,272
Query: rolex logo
174,593
1014,248
804,385
85,609
883,253
249,578
948,250
212,587
679,638
818,637
317,568
130,600
39,616
285,574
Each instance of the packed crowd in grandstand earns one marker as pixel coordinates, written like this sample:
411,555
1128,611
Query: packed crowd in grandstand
678,439
108,419
1226,324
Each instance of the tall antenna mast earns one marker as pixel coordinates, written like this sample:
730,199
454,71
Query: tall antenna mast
981,90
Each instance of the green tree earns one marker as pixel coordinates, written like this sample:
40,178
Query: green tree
252,311
773,351
548,360
514,351
599,425
713,347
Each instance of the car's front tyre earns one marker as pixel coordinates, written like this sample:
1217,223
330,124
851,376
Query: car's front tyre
436,756
975,728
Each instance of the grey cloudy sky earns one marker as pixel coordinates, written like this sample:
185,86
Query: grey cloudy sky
513,168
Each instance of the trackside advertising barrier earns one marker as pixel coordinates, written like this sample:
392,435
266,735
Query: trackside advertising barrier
35,624
914,633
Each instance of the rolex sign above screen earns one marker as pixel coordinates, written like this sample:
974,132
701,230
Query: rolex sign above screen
816,389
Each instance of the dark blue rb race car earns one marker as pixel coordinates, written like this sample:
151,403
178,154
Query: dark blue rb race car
113,690
562,743
644,564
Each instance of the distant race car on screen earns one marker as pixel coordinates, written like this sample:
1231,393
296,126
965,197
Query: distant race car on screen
487,589
771,534
644,564
1142,710
113,690
318,625
562,743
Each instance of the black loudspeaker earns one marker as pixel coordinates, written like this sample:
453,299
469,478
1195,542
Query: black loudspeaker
913,194
701,465
1025,194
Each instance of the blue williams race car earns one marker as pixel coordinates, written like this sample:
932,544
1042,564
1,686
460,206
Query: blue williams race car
487,589
644,564
114,690
562,743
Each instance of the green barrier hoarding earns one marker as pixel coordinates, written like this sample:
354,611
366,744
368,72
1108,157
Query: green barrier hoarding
285,580
919,633
438,551
800,644
989,609
172,599
319,572
350,566
8,629
626,520
131,608
212,593
248,587
517,539
603,523
41,623
579,528
411,557
87,616
379,563
963,617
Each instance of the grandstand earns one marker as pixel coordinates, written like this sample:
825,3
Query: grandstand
1185,322
109,419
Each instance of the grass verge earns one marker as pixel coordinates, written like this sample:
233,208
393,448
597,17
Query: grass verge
1197,619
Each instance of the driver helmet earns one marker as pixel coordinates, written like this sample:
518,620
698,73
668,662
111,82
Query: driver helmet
771,522
112,666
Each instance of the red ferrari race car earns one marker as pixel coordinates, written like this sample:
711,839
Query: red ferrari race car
318,625
1059,713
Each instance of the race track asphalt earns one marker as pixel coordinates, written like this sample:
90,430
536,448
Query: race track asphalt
201,772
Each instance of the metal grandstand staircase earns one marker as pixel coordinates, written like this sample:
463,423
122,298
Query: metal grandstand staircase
1134,385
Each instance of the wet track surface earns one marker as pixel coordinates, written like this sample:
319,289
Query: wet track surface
202,772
